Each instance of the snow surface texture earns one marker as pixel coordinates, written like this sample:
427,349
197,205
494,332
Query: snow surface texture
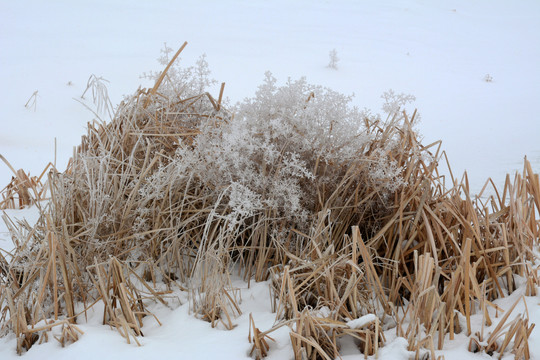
473,67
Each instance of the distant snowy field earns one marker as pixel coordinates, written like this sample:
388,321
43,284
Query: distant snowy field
440,52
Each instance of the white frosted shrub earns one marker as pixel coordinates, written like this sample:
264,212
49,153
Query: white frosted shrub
182,81
279,152
284,156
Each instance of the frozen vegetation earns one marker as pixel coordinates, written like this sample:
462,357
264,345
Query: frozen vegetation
292,223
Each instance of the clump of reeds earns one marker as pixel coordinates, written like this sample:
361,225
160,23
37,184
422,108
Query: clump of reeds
23,190
344,212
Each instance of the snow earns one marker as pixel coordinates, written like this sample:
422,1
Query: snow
181,336
440,52
362,321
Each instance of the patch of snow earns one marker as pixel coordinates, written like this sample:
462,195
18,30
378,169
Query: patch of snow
362,321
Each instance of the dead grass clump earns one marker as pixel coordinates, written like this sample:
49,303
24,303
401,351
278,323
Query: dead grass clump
314,337
498,340
124,306
327,280
346,213
260,346
39,283
23,190
213,297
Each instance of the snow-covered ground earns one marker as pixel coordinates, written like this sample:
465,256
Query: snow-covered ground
440,52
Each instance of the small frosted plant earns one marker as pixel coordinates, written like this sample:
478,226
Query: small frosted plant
193,80
100,94
332,64
394,103
32,101
488,78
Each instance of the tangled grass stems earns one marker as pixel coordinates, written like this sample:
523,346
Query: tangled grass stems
346,214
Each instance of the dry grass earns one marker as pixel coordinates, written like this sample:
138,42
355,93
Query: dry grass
419,257
23,190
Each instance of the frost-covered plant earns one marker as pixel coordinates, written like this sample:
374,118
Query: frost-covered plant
288,154
100,94
284,153
393,103
182,81
332,64
32,101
